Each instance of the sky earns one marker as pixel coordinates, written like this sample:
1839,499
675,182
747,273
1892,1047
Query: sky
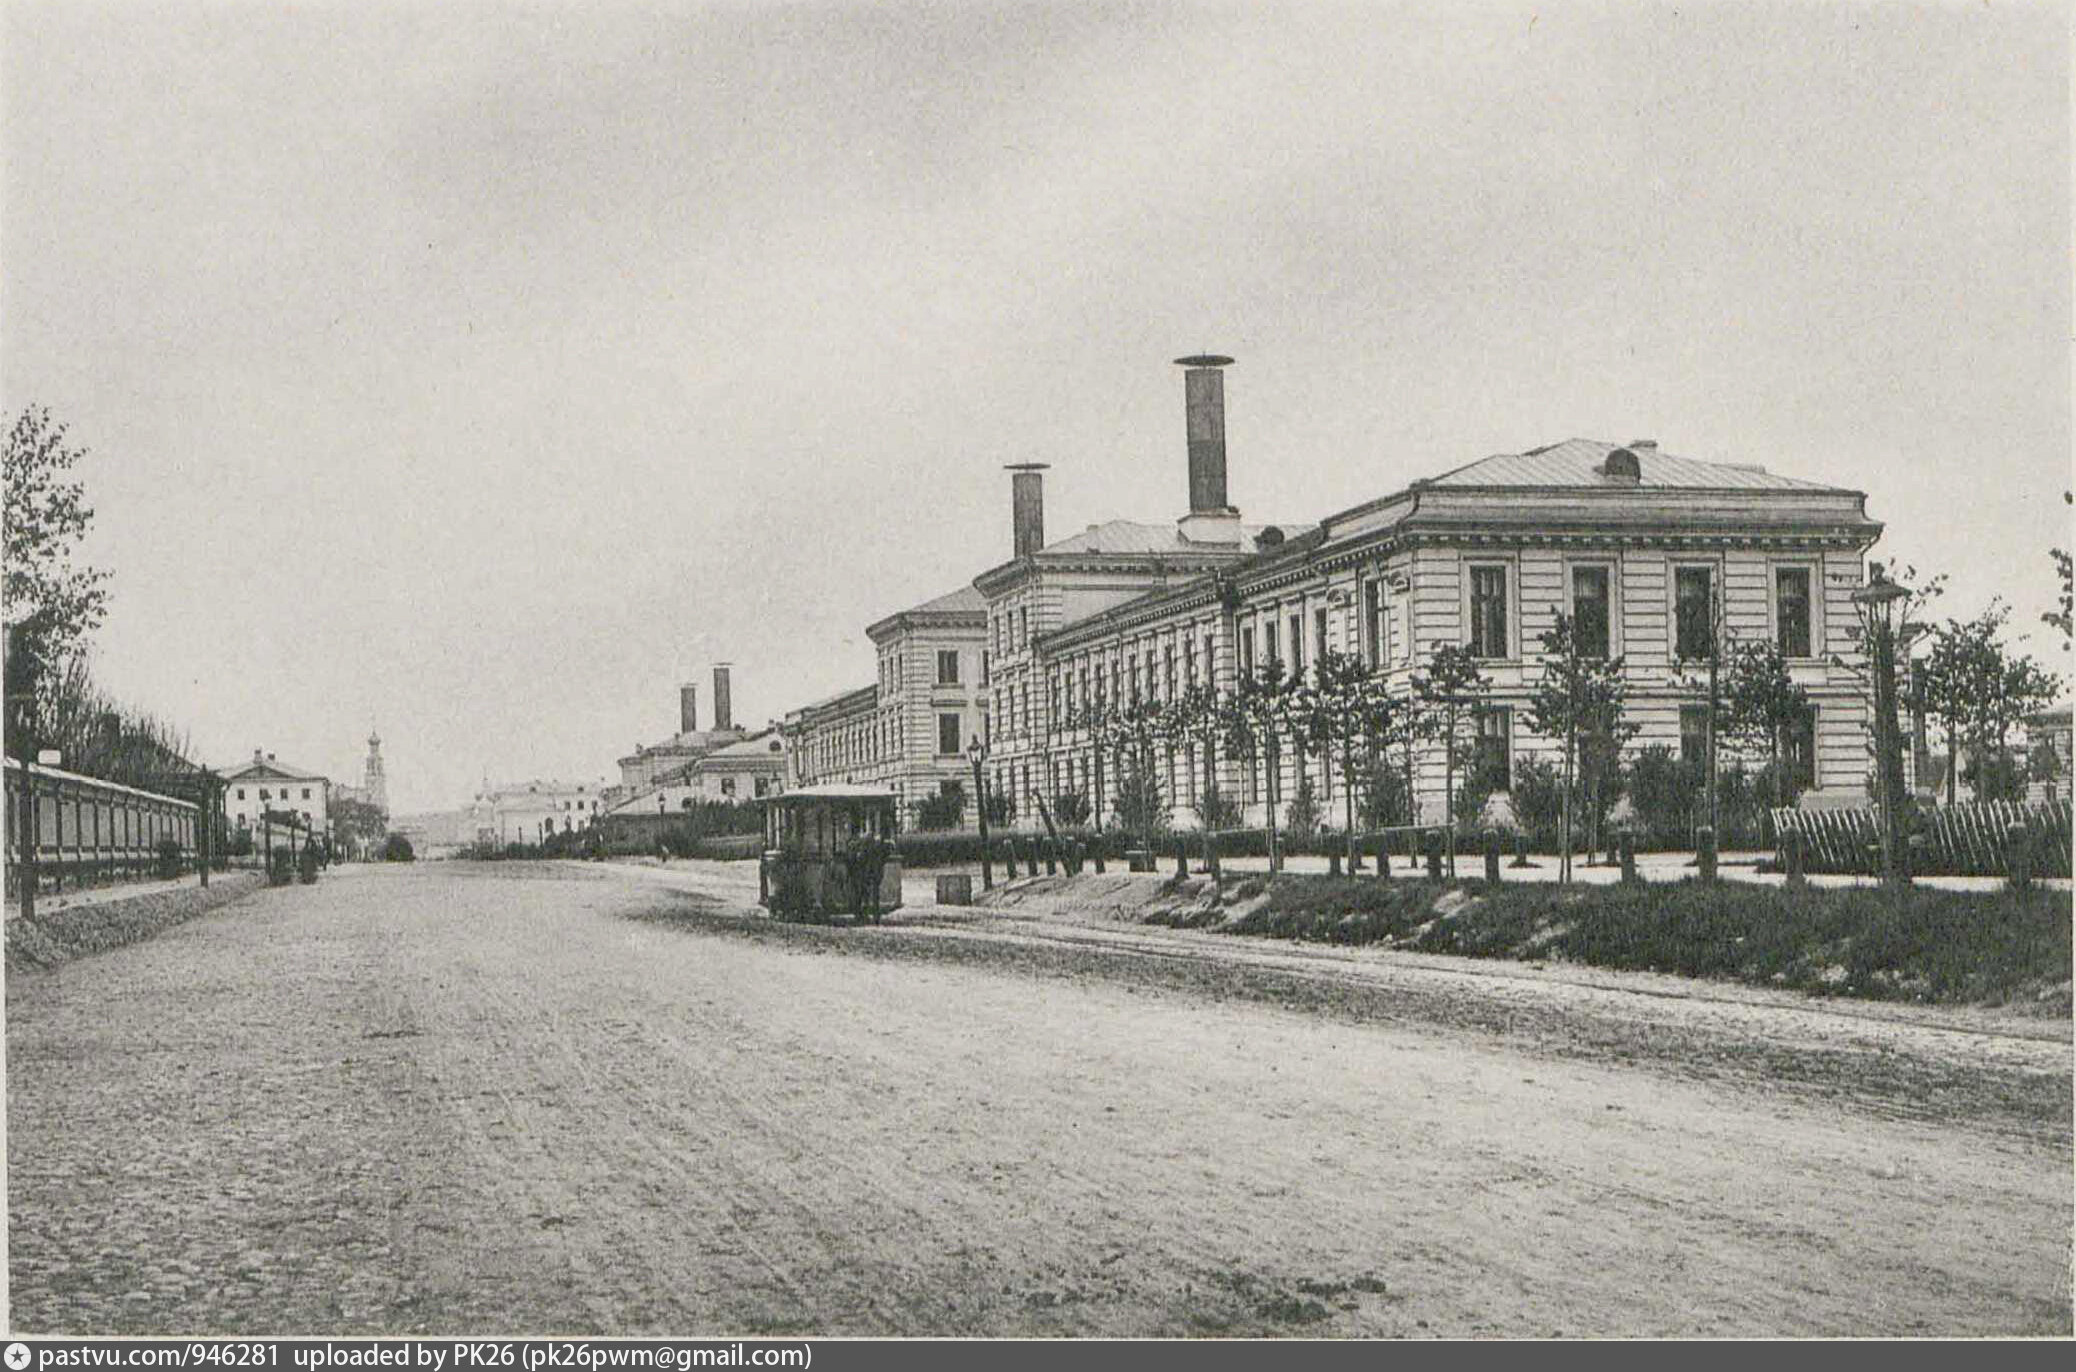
483,371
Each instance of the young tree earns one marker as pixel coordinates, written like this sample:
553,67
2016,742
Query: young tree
1341,713
1579,698
360,826
1137,732
1449,692
1975,688
1761,703
1254,717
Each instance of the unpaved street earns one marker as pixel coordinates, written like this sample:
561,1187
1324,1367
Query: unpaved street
531,1099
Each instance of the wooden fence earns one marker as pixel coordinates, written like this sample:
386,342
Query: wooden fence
1958,840
89,830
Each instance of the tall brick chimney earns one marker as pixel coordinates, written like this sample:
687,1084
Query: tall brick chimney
724,711
1210,519
688,707
1027,506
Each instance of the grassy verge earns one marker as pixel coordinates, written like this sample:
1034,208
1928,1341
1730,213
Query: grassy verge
1942,947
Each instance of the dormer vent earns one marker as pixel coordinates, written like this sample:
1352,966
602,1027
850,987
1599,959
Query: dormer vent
1622,468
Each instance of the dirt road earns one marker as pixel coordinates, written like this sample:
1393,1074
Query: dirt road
519,1098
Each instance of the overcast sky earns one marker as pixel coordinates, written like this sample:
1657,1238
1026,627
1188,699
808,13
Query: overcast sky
485,371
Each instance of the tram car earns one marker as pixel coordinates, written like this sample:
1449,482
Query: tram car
820,846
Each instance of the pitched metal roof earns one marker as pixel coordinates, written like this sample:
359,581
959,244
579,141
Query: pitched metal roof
1130,536
963,599
1576,462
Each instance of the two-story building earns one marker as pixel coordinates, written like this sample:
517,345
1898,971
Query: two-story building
1643,549
268,786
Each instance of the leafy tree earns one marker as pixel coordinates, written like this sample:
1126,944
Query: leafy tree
1761,703
2065,572
49,602
1001,807
359,825
1666,792
1975,689
397,848
1449,692
1196,718
1578,698
944,810
1137,733
1342,713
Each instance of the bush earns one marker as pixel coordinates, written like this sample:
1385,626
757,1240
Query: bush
1001,808
1385,800
397,848
1301,817
1539,802
1216,810
1666,792
1070,809
1139,806
945,810
169,856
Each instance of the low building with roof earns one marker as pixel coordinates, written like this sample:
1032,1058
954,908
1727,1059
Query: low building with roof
532,811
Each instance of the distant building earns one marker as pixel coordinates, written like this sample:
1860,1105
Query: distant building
2049,731
640,769
267,786
909,731
532,811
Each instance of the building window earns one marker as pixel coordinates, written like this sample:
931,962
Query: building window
1318,632
727,786
1297,645
1373,623
1589,611
1694,735
948,667
1270,657
1023,628
1491,748
1799,754
947,735
1791,610
264,794
1694,611
241,793
1488,611
1246,651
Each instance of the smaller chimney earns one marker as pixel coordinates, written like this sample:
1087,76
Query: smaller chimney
724,712
259,755
688,707
1027,506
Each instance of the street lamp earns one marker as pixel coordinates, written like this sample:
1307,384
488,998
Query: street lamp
1876,604
976,752
661,849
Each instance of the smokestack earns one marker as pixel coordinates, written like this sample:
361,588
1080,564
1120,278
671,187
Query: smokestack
1027,506
1203,396
724,717
1210,519
688,707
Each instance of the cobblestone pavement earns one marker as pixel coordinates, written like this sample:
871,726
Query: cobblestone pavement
485,1098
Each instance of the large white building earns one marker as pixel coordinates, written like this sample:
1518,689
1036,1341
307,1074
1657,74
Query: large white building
1633,543
266,786
532,811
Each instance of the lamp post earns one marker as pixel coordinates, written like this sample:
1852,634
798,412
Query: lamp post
660,847
1876,604
977,752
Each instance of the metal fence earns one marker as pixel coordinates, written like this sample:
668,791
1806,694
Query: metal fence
88,831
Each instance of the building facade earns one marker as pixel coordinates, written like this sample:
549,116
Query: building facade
267,786
532,811
907,732
1642,549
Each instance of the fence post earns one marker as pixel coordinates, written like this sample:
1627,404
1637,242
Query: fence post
1792,858
1211,855
1181,856
1434,855
1705,856
1051,859
1383,857
2018,857
1494,843
1628,849
1333,863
